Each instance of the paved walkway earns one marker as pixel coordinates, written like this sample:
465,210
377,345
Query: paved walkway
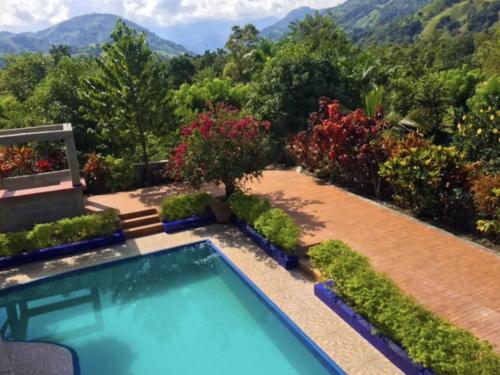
453,277
141,199
291,291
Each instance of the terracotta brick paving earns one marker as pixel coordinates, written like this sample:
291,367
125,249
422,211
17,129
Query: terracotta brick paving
453,277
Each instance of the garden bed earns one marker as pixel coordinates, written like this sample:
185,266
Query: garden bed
188,223
286,261
386,346
61,250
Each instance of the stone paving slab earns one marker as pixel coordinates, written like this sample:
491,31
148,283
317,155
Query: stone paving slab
455,278
291,291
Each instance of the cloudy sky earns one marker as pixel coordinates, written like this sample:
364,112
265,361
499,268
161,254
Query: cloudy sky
29,15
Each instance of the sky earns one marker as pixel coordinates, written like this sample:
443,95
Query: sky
33,15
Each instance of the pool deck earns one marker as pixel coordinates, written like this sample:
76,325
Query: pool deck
291,291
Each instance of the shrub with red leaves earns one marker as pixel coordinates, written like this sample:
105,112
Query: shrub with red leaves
22,160
221,146
349,147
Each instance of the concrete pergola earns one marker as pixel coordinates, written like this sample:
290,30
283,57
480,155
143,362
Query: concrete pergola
46,133
42,197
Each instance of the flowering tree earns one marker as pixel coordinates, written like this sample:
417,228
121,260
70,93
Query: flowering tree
348,146
221,146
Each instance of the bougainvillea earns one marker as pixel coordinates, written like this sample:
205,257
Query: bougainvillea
22,160
349,147
221,146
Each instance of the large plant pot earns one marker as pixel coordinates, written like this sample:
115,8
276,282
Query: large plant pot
222,211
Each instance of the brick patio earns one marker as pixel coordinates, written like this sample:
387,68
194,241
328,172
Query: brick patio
453,277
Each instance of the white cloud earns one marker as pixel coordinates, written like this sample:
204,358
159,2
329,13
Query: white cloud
28,14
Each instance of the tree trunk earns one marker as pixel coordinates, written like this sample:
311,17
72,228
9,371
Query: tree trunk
230,187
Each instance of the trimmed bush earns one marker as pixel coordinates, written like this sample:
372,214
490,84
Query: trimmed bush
279,228
15,243
183,206
61,232
429,340
248,207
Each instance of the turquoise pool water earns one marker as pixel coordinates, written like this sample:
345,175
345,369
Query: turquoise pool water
182,311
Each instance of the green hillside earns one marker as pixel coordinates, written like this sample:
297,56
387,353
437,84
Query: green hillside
358,17
442,17
399,21
83,34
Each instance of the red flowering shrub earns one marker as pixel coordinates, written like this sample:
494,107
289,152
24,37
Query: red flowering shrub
221,146
19,161
348,146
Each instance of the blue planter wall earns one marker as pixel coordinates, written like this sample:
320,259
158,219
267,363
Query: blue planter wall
62,250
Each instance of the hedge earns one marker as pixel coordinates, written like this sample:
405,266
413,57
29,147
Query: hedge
279,228
64,231
429,340
248,207
183,206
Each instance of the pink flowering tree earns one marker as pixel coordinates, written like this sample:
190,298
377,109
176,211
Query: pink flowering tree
221,146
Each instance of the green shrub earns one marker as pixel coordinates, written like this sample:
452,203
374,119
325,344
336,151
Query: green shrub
428,339
122,173
15,243
74,229
248,207
279,228
431,181
183,206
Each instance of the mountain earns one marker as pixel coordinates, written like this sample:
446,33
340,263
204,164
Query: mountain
400,21
449,17
357,17
83,34
280,28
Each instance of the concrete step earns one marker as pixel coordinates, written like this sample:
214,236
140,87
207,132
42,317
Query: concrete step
140,221
144,230
131,215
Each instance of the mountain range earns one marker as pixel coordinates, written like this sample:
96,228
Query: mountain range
396,21
84,34
366,21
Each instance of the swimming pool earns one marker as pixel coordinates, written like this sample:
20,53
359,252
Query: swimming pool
186,310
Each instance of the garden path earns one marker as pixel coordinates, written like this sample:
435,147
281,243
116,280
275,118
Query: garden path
451,276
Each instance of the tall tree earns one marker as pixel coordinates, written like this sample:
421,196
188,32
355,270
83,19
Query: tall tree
59,51
242,43
127,95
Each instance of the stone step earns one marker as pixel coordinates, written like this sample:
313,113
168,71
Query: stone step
134,214
140,221
144,230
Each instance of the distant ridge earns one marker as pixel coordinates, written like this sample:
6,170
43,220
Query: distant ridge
84,34
400,21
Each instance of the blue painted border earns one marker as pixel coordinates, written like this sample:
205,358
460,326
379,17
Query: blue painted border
308,343
282,258
385,345
62,250
188,223
74,355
